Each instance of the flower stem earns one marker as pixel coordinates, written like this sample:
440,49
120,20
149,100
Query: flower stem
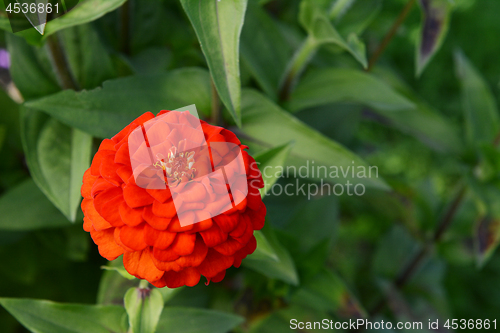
144,284
387,39
60,63
406,274
301,58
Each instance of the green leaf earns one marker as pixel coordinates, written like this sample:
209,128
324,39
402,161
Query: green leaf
84,50
393,101
355,17
283,268
30,69
486,238
271,163
333,85
435,23
264,250
103,112
120,270
319,28
190,320
480,109
327,292
269,125
26,208
113,285
69,241
144,307
268,64
86,11
57,157
218,26
49,317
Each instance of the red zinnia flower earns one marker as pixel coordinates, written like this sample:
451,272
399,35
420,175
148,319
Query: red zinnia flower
127,213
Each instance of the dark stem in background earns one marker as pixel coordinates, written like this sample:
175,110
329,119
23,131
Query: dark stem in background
387,39
60,64
216,117
125,28
406,274
417,261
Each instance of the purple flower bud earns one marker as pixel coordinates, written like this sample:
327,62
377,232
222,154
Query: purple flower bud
4,59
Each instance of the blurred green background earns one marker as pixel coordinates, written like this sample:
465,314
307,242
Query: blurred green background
335,257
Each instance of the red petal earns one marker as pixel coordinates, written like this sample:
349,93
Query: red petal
196,258
166,265
230,136
130,216
106,244
165,255
118,241
108,169
213,236
122,155
160,195
88,182
187,277
229,247
141,265
247,233
98,222
164,209
202,226
253,198
241,227
219,277
133,237
258,217
156,222
87,225
175,226
107,144
125,173
126,131
183,244
97,160
194,192
227,223
248,249
107,204
136,196
214,263
158,239
210,130
100,185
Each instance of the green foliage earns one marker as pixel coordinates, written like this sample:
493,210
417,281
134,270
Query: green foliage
279,264
435,23
218,26
186,320
103,113
144,307
321,31
303,98
50,317
479,105
25,207
273,159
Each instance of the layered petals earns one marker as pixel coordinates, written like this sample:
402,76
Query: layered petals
140,218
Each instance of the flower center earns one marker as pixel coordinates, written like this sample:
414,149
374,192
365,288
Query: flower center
178,166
